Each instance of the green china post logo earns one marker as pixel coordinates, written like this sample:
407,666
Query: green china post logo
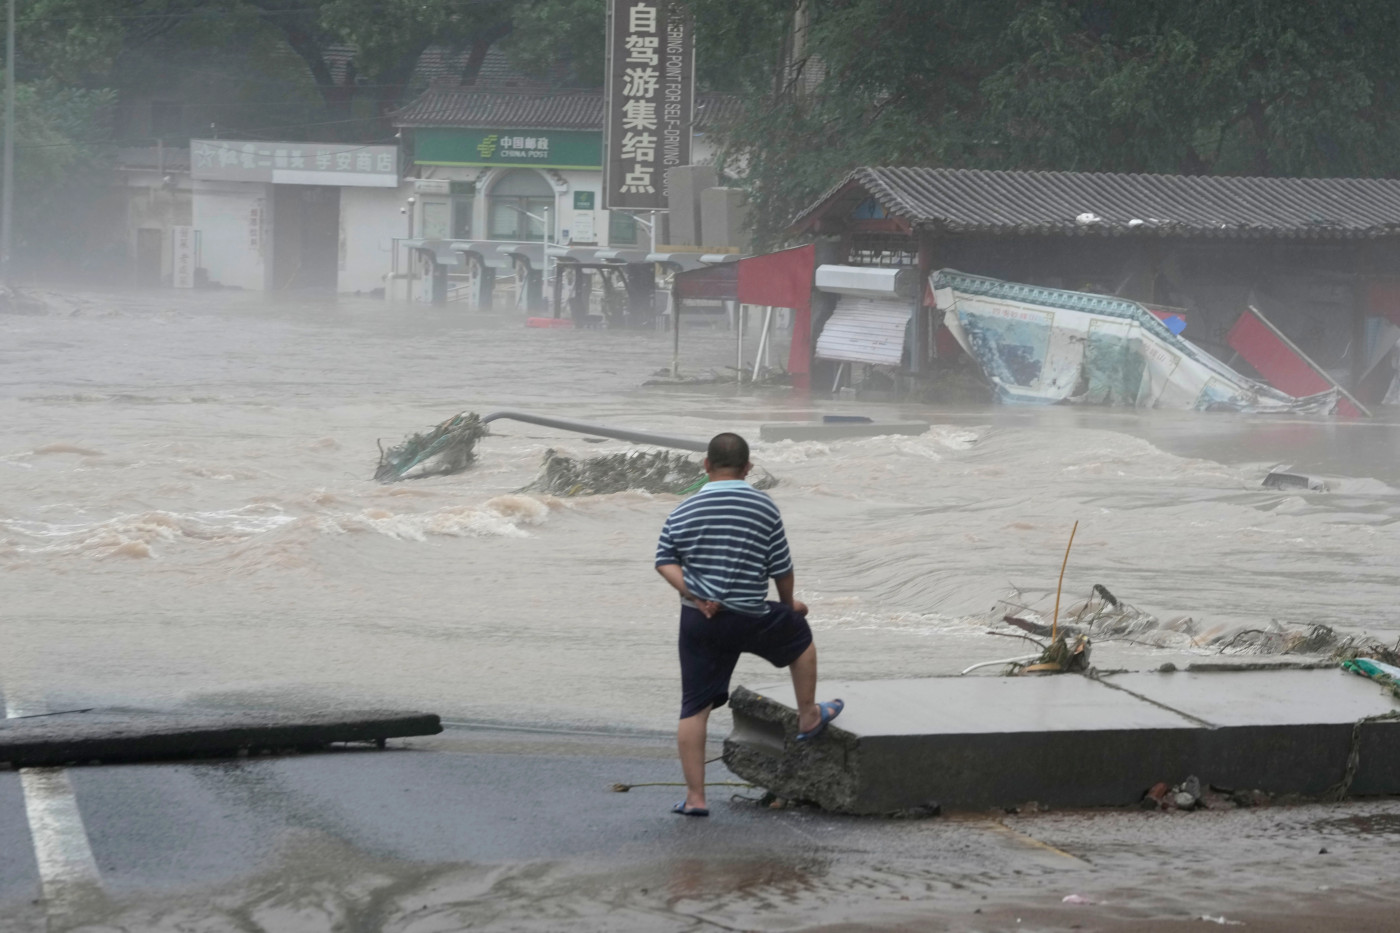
570,149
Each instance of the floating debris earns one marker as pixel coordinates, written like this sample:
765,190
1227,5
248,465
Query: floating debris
1279,479
450,447
1105,617
659,471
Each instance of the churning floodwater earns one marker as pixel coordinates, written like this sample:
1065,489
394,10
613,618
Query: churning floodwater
188,518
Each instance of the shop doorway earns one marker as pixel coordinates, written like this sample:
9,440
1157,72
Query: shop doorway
148,256
305,237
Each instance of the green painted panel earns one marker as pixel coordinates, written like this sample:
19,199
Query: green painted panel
512,149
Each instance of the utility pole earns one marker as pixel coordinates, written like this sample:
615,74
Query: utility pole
7,203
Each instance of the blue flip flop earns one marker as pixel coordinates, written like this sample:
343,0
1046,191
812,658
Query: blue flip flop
829,712
683,810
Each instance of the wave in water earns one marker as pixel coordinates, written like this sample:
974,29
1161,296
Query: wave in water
145,534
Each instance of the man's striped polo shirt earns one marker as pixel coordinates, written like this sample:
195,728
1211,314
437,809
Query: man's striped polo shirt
729,540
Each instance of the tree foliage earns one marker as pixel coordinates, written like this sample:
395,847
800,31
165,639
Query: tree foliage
59,158
1266,87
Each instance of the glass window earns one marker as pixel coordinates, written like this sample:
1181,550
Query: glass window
622,229
518,194
435,220
462,218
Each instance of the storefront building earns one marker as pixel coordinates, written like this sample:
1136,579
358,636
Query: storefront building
277,216
497,174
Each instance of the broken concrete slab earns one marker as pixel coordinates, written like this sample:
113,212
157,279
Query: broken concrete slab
1278,479
835,430
1070,741
67,738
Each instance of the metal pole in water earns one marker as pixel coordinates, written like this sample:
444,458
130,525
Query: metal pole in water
739,341
760,356
601,430
7,202
675,334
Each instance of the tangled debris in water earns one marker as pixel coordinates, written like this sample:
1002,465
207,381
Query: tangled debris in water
450,447
1105,617
659,471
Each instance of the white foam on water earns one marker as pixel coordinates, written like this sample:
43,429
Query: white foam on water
138,534
502,516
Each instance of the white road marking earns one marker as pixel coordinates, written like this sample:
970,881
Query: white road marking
67,869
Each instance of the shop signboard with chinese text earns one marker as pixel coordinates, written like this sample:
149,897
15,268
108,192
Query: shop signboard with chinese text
500,148
289,163
650,101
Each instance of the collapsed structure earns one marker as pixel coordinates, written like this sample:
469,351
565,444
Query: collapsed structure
1315,257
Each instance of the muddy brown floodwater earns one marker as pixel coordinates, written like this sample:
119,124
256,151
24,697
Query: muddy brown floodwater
187,515
188,519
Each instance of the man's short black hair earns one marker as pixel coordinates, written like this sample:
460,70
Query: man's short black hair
728,452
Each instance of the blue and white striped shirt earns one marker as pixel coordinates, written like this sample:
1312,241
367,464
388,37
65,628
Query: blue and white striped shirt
729,540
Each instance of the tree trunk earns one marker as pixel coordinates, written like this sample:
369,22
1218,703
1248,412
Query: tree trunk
1259,123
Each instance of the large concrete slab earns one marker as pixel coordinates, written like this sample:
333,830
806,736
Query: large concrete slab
724,218
686,183
1067,740
835,430
120,736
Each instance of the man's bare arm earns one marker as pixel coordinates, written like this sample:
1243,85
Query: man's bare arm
673,575
785,584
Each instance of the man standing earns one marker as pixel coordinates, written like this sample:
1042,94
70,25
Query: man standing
718,549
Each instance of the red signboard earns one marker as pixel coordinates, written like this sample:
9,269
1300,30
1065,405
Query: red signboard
784,280
1279,361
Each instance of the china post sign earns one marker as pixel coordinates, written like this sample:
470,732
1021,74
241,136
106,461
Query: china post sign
651,100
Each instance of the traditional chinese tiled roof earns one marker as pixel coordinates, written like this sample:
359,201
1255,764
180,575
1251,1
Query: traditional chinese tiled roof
444,64
492,108
1088,203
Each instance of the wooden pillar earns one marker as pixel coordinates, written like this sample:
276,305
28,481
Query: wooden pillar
923,326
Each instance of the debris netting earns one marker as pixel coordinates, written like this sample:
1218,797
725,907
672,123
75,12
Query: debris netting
660,471
1105,617
450,447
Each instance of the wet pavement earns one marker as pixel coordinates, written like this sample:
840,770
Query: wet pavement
491,829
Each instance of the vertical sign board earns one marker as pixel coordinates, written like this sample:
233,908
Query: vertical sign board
182,257
651,101
583,231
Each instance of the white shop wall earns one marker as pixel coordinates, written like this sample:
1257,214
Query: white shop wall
370,219
234,220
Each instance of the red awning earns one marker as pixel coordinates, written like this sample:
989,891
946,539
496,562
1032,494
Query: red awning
1280,362
716,283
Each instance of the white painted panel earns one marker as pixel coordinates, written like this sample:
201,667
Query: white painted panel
369,222
867,281
865,330
234,222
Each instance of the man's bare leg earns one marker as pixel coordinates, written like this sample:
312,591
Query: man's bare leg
804,688
690,742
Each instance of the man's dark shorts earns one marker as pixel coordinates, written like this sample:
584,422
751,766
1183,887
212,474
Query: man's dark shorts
711,647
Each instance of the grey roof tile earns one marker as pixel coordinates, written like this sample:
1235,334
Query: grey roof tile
980,201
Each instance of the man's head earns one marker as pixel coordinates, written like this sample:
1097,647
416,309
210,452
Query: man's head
727,457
